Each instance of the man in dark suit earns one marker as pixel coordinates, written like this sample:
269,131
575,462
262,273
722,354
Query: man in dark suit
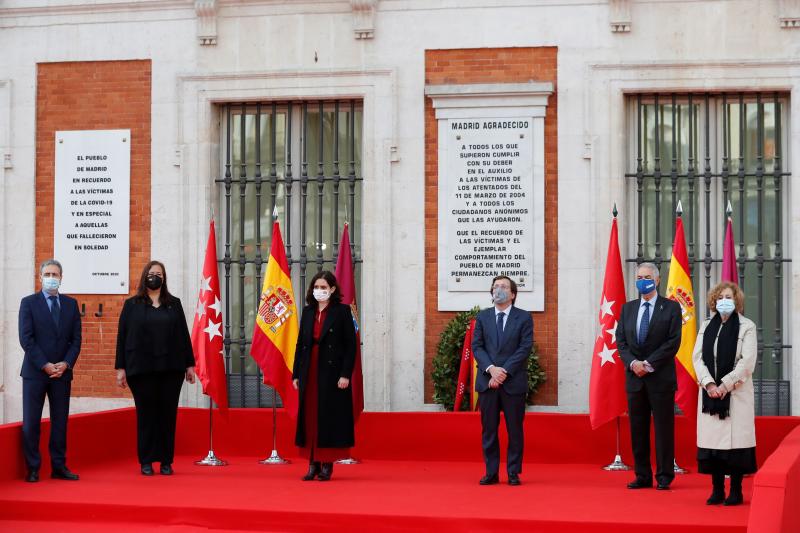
502,342
50,334
648,337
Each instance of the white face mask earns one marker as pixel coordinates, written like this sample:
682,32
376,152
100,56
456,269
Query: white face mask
322,295
50,284
725,306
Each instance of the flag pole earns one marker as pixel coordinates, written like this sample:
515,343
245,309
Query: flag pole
211,459
274,457
617,465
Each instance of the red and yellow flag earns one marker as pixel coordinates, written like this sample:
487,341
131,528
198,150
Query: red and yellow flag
679,288
276,329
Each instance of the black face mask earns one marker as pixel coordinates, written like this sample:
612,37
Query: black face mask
153,282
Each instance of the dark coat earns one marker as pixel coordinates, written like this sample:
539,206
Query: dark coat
42,341
135,350
337,355
659,349
512,355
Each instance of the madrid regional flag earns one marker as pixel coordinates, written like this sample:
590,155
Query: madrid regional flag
207,329
276,329
679,288
607,399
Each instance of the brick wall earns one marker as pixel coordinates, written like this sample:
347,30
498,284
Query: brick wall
495,65
94,96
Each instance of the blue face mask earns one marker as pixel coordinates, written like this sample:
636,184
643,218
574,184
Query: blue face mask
50,284
725,306
645,286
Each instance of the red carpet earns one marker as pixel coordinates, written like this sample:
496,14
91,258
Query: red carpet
420,472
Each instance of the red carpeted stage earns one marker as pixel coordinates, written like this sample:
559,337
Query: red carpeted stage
419,472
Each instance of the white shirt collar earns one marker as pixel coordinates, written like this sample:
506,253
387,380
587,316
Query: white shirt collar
652,301
507,310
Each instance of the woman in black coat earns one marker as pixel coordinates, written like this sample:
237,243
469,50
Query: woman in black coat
323,365
154,356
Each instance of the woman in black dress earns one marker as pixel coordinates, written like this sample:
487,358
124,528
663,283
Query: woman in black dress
323,365
154,356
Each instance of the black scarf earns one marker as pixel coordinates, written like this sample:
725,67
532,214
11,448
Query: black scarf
723,365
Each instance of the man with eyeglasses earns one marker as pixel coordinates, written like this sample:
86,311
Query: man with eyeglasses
501,344
50,334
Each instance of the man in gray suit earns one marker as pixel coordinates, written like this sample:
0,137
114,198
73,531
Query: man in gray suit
501,344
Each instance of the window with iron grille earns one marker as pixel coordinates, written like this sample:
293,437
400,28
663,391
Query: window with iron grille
705,151
301,160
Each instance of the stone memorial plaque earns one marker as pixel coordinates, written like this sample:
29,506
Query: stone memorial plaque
488,198
92,210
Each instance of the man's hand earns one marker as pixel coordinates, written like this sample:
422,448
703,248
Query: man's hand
50,369
498,374
494,384
60,369
639,369
296,384
343,383
190,375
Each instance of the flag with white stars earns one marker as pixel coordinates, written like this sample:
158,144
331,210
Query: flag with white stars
607,398
207,332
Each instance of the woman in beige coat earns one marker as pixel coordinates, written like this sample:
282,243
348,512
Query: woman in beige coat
724,359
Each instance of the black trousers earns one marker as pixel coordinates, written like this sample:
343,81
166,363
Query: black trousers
513,407
57,392
156,396
661,404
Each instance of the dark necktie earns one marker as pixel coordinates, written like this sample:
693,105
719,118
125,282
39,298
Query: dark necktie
55,310
500,328
644,325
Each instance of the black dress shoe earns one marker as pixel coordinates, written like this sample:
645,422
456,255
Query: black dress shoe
32,476
662,486
64,473
166,469
734,498
147,469
716,498
640,484
326,472
313,470
490,479
513,479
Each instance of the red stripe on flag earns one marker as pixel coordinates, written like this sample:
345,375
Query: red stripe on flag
679,247
686,396
276,374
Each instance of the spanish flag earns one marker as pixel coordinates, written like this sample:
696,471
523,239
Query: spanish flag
679,288
276,329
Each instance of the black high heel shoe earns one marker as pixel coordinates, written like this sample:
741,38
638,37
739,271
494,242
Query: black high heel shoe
313,470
